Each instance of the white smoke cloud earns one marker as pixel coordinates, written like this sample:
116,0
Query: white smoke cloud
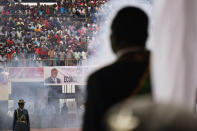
104,54
102,57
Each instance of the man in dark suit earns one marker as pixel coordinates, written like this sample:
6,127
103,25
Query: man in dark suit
123,78
21,118
53,78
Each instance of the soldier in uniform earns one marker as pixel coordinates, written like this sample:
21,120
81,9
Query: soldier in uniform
21,118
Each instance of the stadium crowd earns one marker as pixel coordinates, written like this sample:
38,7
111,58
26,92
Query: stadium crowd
52,35
3,2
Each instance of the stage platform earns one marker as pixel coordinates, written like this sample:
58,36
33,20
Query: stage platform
54,129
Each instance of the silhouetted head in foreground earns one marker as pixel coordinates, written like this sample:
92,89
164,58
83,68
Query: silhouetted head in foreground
129,29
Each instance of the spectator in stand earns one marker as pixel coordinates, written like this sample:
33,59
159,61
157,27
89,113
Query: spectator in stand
69,57
84,58
62,58
51,57
3,59
77,56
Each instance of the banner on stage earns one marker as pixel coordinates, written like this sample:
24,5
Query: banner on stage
65,75
27,74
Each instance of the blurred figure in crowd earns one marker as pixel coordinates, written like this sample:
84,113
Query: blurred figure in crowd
123,78
21,118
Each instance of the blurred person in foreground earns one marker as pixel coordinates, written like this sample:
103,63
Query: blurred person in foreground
21,118
141,114
123,78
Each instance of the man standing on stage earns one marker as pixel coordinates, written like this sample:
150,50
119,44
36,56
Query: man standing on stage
21,118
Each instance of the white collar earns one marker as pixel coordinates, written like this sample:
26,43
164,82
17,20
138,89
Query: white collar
128,50
21,109
54,79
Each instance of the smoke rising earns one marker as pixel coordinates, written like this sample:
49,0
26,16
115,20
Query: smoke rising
101,43
43,102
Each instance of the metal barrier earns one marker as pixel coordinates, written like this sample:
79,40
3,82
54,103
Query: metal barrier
56,14
43,62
